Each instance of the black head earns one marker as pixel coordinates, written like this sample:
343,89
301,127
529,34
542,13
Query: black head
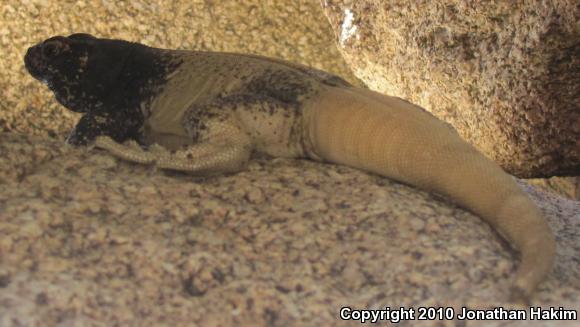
110,81
82,70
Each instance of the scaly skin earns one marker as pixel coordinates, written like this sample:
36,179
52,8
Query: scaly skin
206,113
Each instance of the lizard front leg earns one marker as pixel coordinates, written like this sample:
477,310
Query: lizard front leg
90,126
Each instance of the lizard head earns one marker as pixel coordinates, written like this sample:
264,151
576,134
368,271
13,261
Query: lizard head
83,71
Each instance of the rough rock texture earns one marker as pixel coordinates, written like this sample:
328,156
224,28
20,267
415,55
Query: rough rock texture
88,240
293,30
506,74
564,186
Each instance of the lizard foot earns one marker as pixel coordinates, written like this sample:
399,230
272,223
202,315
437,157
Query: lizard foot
129,151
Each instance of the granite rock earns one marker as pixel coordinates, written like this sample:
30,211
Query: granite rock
564,186
505,74
86,239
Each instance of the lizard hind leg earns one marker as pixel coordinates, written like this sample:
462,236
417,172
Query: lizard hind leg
199,159
129,151
206,159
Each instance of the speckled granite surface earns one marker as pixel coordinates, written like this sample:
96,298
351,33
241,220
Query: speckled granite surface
505,74
88,240
565,186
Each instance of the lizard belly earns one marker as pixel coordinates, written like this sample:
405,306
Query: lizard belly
167,132
277,134
181,93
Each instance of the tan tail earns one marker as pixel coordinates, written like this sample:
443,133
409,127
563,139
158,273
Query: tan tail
399,140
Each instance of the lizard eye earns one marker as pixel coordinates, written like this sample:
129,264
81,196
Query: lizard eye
50,49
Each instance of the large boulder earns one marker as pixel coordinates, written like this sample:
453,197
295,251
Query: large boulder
86,239
505,74
565,186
